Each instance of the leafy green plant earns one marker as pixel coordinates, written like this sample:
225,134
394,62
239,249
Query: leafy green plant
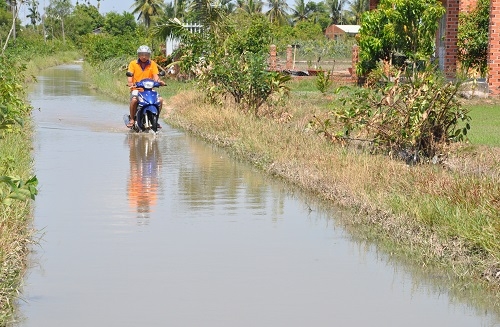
415,114
98,48
405,27
13,109
18,189
323,80
230,59
472,38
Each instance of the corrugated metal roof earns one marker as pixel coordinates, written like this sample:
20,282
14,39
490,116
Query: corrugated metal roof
350,29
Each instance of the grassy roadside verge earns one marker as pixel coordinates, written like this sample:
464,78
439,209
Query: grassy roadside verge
441,219
16,233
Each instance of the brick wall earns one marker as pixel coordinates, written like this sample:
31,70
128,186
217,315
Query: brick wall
494,49
450,38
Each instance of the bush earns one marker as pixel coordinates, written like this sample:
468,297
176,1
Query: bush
98,48
237,65
409,115
13,111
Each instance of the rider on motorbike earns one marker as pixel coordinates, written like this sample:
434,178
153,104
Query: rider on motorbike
141,68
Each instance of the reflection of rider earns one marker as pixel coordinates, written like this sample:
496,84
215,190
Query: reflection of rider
144,169
141,68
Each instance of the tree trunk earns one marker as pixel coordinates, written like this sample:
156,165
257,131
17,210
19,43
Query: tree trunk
62,27
13,27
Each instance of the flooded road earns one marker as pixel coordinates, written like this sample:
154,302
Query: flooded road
143,230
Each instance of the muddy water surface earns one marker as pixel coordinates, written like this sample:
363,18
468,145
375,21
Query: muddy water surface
143,230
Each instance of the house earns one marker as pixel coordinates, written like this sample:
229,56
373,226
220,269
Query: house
333,32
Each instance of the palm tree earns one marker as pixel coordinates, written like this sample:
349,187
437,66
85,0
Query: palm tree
228,5
181,8
34,15
357,8
207,13
147,9
336,7
277,11
250,6
300,12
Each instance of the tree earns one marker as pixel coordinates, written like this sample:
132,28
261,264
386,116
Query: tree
250,6
336,7
277,12
356,10
13,7
318,13
237,66
147,9
472,38
181,8
5,20
84,20
406,28
34,14
59,10
299,11
228,5
119,24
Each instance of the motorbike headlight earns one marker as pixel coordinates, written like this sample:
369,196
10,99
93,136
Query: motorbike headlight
149,84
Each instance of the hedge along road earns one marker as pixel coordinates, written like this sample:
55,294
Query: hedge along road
165,230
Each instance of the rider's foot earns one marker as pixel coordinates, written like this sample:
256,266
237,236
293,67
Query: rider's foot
130,123
159,126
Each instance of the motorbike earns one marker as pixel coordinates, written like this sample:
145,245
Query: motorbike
148,108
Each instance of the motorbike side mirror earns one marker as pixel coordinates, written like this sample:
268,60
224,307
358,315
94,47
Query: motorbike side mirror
162,73
129,74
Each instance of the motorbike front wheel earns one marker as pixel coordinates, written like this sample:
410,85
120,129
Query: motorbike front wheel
153,120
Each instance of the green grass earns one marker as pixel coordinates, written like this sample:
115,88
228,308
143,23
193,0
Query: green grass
485,124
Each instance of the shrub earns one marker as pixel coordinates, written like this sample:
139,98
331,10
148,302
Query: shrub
13,111
323,80
409,115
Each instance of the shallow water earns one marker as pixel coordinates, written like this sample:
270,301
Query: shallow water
165,230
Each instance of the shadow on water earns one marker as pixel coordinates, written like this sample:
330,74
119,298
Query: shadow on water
165,230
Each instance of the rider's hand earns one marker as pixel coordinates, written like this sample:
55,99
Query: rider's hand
162,83
131,85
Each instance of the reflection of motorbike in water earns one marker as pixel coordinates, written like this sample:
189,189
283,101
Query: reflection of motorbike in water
145,164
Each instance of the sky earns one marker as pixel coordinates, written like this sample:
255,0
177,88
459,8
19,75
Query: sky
110,5
106,6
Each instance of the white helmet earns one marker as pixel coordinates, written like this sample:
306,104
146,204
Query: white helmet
144,49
